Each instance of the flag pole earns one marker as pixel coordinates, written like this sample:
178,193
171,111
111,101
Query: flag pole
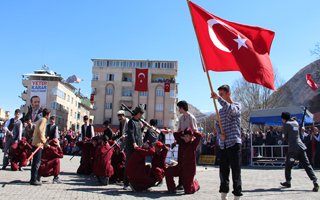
222,133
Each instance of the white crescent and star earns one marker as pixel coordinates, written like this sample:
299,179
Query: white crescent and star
141,75
241,41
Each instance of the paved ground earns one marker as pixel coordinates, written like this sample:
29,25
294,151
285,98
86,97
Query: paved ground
257,184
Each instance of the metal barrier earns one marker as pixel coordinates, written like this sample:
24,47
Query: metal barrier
268,155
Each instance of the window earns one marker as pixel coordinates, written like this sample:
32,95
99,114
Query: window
109,90
172,94
159,92
68,98
110,77
143,94
126,77
127,92
160,122
171,108
95,77
108,106
71,113
159,107
58,92
71,100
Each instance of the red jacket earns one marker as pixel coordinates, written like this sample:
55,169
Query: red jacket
102,161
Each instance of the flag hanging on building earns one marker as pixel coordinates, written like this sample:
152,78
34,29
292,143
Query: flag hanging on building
229,46
73,79
313,85
141,80
167,86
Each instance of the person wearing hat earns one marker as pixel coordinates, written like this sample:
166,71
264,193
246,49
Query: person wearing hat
87,147
50,161
19,154
118,160
138,173
186,168
229,142
123,125
102,167
134,137
296,151
158,163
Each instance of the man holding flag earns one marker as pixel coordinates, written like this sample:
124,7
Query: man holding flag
229,46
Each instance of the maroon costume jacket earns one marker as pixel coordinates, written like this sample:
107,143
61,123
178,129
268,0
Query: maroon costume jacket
19,153
86,162
158,164
137,172
118,163
186,168
102,161
50,161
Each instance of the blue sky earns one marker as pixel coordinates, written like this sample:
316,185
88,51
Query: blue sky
66,35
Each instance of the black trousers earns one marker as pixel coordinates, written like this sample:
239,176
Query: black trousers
231,158
36,161
304,162
125,178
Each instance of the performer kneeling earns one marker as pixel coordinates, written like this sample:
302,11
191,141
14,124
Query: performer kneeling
189,141
118,160
50,161
102,167
137,172
87,154
158,164
19,154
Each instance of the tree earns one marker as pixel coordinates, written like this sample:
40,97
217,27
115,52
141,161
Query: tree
316,50
252,96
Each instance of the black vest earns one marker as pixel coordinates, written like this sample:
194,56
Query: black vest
86,133
51,131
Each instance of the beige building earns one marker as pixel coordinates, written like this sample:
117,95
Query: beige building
62,98
113,83
4,115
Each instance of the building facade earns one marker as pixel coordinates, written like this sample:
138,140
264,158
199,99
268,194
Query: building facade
114,81
63,99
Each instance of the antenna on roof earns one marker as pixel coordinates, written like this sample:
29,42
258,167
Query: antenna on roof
45,67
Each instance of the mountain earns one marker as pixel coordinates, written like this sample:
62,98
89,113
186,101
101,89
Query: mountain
296,92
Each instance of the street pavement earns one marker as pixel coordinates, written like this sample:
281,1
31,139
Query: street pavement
258,184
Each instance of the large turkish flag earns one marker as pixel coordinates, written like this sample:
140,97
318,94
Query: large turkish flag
141,80
229,46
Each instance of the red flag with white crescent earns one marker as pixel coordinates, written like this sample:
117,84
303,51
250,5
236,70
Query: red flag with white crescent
141,80
313,85
167,86
229,46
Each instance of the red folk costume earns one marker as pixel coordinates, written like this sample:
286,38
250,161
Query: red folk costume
186,168
19,154
102,161
158,164
50,161
118,160
137,172
87,155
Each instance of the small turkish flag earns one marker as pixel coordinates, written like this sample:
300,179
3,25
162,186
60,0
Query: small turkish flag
229,46
313,85
92,98
167,86
141,80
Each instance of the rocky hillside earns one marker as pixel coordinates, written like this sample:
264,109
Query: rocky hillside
297,92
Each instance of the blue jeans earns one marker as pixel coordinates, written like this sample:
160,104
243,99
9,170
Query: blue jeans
36,161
